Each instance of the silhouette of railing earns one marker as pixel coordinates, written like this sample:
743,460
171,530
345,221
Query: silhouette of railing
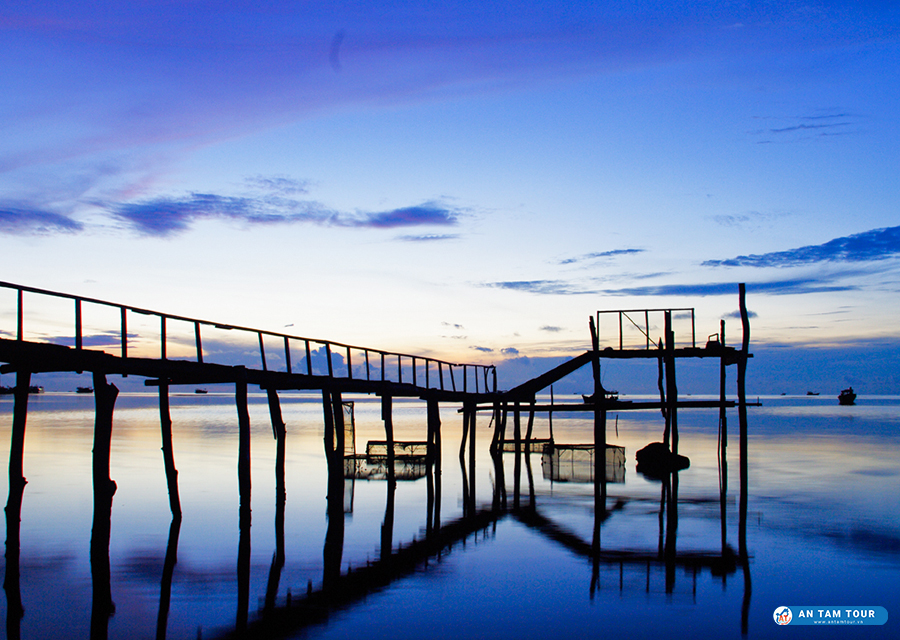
629,315
372,364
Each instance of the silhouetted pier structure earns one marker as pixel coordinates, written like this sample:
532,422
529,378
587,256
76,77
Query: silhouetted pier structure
336,369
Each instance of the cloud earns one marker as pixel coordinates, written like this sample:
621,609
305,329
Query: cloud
550,329
601,254
509,351
547,287
737,314
806,127
407,217
777,287
430,237
458,327
165,216
27,222
861,247
482,349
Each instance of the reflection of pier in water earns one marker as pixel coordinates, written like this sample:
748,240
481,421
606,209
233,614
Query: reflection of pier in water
388,375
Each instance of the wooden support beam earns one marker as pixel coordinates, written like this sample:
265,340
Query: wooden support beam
17,440
165,420
387,410
243,412
742,418
279,432
104,488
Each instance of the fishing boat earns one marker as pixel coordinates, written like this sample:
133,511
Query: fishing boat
847,396
84,389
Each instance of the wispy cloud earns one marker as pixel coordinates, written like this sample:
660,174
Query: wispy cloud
861,247
429,237
15,221
777,287
547,287
601,254
805,127
169,216
482,349
551,329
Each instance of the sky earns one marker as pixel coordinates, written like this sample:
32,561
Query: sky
466,180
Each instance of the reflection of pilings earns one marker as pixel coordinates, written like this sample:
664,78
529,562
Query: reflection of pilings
499,503
165,420
671,530
333,550
742,419
723,437
104,488
387,526
353,586
165,588
279,431
14,608
243,568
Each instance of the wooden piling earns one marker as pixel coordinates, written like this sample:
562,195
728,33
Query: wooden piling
742,417
387,411
279,432
671,435
104,488
243,412
165,420
17,440
104,402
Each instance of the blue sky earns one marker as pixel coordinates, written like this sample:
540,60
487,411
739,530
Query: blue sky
469,180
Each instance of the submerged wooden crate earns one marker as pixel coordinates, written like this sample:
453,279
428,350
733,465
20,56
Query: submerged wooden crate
575,463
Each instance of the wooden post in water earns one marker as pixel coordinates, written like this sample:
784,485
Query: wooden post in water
104,489
11,583
165,420
434,421
328,413
17,440
599,426
723,437
279,432
387,411
742,418
517,466
243,413
671,387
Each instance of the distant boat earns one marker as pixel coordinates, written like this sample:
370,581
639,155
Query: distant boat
10,390
84,389
200,391
812,393
847,396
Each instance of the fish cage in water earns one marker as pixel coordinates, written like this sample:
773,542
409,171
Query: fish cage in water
410,461
575,463
534,445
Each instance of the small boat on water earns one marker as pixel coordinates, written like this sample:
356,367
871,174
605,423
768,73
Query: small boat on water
200,391
84,389
847,396
812,393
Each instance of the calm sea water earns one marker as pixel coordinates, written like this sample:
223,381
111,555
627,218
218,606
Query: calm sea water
822,526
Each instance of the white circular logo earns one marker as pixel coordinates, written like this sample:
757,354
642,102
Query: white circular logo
783,615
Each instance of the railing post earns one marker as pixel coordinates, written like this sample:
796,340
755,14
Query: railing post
21,317
308,359
287,353
124,314
349,365
78,342
328,353
368,375
198,342
162,339
262,350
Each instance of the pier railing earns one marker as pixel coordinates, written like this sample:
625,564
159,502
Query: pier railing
317,357
635,328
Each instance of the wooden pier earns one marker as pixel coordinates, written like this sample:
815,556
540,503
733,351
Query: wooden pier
335,369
